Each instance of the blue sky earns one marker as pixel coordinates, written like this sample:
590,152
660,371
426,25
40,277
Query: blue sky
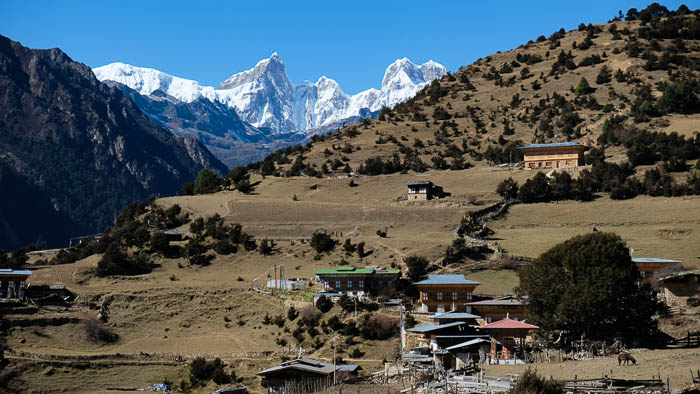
351,41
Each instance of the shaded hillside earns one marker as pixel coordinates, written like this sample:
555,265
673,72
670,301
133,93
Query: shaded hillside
641,74
214,124
84,146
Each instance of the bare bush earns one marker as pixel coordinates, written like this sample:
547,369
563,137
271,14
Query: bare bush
310,315
96,331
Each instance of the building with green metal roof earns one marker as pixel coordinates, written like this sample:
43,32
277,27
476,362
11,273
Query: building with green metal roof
357,281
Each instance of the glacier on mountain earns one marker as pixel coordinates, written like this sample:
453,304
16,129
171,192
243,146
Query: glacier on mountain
266,98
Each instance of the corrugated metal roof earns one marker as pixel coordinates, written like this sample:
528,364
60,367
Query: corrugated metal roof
468,343
433,327
508,323
346,270
552,145
447,280
680,274
653,260
454,315
9,271
304,364
348,367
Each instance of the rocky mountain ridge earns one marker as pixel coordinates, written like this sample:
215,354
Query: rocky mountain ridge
84,148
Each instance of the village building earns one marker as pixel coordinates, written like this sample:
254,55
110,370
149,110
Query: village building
357,281
505,335
553,155
441,336
423,190
13,283
647,266
443,293
678,286
346,371
499,308
298,375
473,351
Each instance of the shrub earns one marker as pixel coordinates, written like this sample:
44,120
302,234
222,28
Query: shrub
417,267
266,247
96,331
322,242
207,182
377,326
356,353
532,383
583,87
324,304
292,313
310,316
116,262
508,189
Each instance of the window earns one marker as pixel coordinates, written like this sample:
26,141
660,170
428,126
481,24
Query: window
488,320
469,296
439,296
362,284
379,284
454,296
337,284
349,284
425,296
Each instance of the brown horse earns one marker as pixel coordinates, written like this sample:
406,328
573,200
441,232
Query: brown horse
626,358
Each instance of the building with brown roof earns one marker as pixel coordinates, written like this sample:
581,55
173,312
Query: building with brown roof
443,293
499,308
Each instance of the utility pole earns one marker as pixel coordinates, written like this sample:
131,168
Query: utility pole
355,308
334,367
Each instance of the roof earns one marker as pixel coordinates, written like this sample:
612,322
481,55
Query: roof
348,367
434,327
468,343
509,301
349,270
302,364
419,183
454,315
553,145
8,271
653,260
509,323
327,294
447,280
680,274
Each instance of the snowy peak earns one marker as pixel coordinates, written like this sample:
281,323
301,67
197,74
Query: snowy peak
272,68
146,81
265,97
402,71
432,70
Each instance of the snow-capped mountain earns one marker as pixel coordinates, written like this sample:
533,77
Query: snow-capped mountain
265,97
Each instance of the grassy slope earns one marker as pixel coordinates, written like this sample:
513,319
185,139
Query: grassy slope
190,310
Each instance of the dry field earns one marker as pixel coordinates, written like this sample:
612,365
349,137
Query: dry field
209,310
674,364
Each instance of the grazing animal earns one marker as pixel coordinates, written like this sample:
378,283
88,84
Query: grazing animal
626,358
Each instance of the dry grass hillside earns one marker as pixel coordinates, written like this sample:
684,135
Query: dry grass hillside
209,310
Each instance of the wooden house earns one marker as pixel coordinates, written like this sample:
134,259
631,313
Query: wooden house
357,281
553,155
500,308
298,375
443,293
423,190
504,334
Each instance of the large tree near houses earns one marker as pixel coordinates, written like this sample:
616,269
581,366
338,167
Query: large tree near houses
589,285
